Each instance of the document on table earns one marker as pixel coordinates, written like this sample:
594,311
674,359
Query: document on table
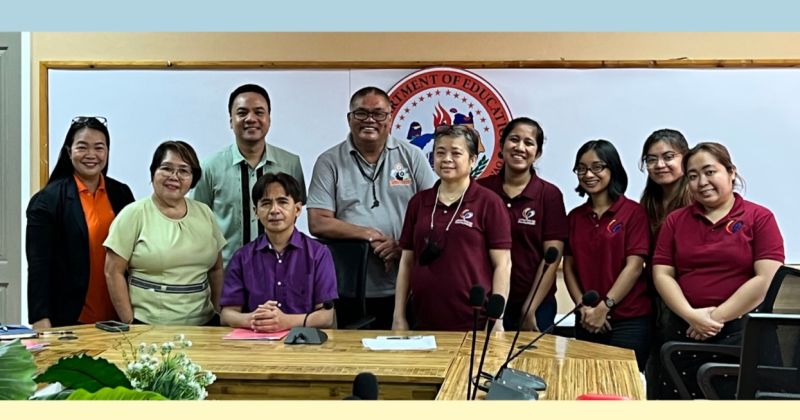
245,334
400,342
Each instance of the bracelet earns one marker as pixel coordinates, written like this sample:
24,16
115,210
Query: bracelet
306,318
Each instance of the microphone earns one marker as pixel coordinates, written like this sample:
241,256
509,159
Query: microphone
476,298
494,308
550,256
309,335
365,386
589,298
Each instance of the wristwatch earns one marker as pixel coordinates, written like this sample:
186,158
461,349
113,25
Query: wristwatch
610,302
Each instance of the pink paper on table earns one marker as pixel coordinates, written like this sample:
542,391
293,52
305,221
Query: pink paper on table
245,334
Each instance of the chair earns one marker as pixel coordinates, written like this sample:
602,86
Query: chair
783,296
350,258
769,366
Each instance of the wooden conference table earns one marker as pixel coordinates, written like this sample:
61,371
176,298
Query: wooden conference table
274,370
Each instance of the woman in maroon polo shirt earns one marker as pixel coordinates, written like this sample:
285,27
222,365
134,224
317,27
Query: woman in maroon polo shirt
538,222
455,235
608,241
714,260
667,189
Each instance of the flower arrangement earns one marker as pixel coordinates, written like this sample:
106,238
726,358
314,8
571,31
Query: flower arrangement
151,372
165,371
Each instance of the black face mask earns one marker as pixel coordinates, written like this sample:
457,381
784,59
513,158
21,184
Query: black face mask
431,252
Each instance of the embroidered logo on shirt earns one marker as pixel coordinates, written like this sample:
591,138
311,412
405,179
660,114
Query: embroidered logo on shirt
527,217
400,175
734,226
614,226
464,220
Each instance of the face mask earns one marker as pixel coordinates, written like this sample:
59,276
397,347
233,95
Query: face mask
431,252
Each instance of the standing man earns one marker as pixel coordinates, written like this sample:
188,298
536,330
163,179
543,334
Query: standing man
229,174
359,190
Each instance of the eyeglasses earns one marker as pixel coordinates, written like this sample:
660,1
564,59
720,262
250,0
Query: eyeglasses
181,173
87,120
652,160
362,115
595,168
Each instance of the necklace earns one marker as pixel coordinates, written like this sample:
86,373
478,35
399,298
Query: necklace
435,203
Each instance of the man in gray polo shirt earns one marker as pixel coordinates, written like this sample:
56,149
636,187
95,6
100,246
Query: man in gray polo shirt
360,189
229,175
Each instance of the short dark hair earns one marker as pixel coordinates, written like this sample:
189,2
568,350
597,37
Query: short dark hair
182,149
367,91
247,89
64,168
288,182
468,133
526,121
607,153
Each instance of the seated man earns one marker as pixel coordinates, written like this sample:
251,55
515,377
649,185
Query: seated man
282,278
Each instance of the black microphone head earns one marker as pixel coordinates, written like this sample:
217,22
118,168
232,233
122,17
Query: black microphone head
590,298
550,255
495,306
351,397
327,305
365,386
476,296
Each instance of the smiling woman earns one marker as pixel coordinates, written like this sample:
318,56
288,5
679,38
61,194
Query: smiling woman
67,223
185,288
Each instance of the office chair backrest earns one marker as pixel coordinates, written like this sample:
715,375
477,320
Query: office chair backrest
770,359
350,259
783,296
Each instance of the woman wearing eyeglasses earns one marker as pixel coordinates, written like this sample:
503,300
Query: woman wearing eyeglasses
169,245
455,235
714,260
666,190
68,221
538,222
608,242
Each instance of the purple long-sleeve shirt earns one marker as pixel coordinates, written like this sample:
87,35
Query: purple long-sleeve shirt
300,278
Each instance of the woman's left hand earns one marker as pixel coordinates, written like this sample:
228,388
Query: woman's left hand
595,319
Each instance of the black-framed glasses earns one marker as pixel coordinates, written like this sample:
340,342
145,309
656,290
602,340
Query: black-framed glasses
595,168
652,160
88,119
362,115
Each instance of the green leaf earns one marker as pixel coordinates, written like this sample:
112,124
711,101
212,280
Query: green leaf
118,393
16,371
84,372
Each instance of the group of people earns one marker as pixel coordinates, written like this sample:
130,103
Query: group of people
685,262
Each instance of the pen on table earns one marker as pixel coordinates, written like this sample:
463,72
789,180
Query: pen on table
404,337
56,332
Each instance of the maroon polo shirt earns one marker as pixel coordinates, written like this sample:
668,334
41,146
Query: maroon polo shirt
712,260
441,289
536,215
599,247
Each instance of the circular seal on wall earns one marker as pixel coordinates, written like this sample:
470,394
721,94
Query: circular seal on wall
429,98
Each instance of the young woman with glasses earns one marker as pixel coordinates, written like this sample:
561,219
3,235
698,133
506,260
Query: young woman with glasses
68,221
667,189
538,222
169,246
608,242
455,235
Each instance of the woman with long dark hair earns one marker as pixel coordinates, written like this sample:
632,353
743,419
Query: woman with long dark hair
68,220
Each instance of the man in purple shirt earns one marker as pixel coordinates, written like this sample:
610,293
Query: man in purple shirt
282,278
